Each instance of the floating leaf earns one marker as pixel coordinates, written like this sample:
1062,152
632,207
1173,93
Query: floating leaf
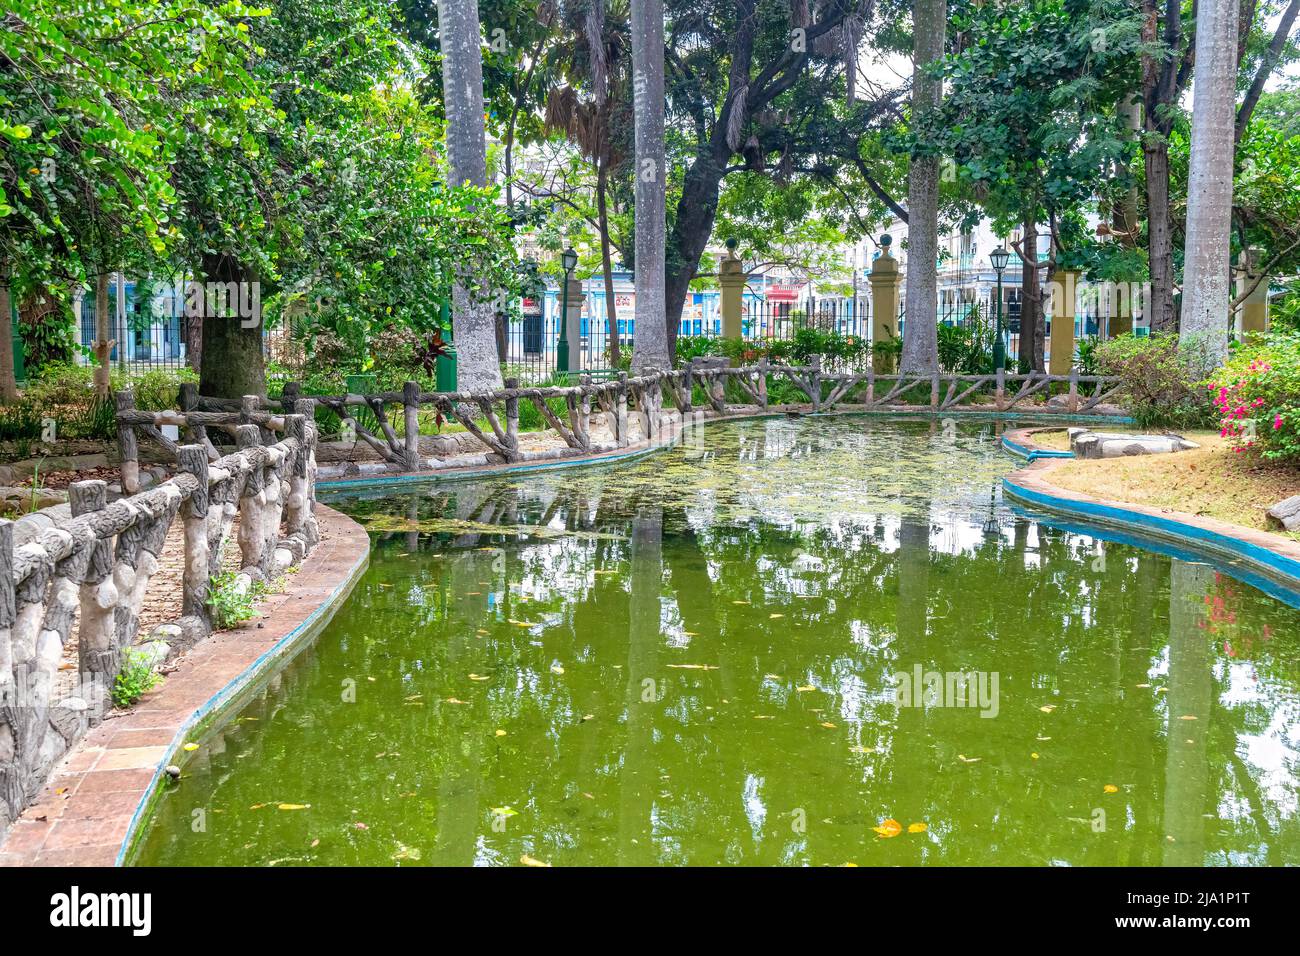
191,747
964,759
478,677
694,667
527,860
1110,788
557,669
889,828
294,806
828,725
805,688
506,811
773,617
1187,717
500,733
862,750
917,828
1047,708
406,852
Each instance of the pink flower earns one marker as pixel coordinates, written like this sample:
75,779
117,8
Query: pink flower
1277,423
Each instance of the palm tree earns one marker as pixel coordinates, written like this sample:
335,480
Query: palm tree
599,54
1206,291
650,345
473,315
921,334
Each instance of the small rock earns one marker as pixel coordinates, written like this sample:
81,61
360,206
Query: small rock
166,632
173,771
1286,514
154,652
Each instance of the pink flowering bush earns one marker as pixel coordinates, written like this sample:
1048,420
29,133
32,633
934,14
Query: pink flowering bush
1257,396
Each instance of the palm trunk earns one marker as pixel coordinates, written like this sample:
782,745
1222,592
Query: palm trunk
103,329
1206,270
611,312
473,315
921,333
650,342
8,381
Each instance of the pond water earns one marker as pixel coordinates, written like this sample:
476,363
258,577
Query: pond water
694,659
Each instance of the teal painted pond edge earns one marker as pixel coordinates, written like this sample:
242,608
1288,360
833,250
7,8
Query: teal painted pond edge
1021,451
230,694
1275,574
327,488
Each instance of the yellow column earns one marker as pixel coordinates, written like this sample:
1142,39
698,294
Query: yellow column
1064,284
1253,317
732,279
886,281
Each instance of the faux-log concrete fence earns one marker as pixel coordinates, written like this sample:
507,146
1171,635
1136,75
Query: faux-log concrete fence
95,570
492,418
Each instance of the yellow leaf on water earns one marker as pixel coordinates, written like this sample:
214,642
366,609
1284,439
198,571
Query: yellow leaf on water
828,725
1041,737
764,717
527,860
773,617
862,750
693,667
691,633
257,806
520,623
478,677
739,602
191,747
295,806
805,688
500,733
916,828
1047,708
1143,685
964,759
889,828
1187,717
557,669
1110,788
453,700
1034,755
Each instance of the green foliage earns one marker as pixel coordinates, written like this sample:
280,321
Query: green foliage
229,604
1086,354
967,349
1160,386
1257,395
136,678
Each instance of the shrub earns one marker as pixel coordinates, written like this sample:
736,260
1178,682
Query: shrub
1257,396
1161,387
229,603
136,677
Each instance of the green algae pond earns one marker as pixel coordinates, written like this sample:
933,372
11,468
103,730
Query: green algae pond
807,641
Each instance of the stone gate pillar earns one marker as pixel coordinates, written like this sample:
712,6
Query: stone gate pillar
1253,317
573,322
886,281
731,277
1064,286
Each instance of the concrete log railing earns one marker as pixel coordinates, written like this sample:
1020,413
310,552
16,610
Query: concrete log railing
87,579
630,408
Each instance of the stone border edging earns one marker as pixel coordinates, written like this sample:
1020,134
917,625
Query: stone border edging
1020,442
92,807
1272,563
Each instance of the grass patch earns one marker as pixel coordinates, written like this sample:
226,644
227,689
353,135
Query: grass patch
1212,481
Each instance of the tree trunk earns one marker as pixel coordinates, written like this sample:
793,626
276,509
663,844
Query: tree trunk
103,329
1207,266
696,211
650,344
611,311
1160,241
232,364
921,333
1032,340
1125,218
473,319
8,382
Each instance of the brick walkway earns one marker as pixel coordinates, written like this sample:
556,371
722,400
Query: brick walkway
87,810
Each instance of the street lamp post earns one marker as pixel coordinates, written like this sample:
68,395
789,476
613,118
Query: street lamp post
568,259
999,257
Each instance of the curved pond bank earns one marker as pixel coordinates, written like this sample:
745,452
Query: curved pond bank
696,658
